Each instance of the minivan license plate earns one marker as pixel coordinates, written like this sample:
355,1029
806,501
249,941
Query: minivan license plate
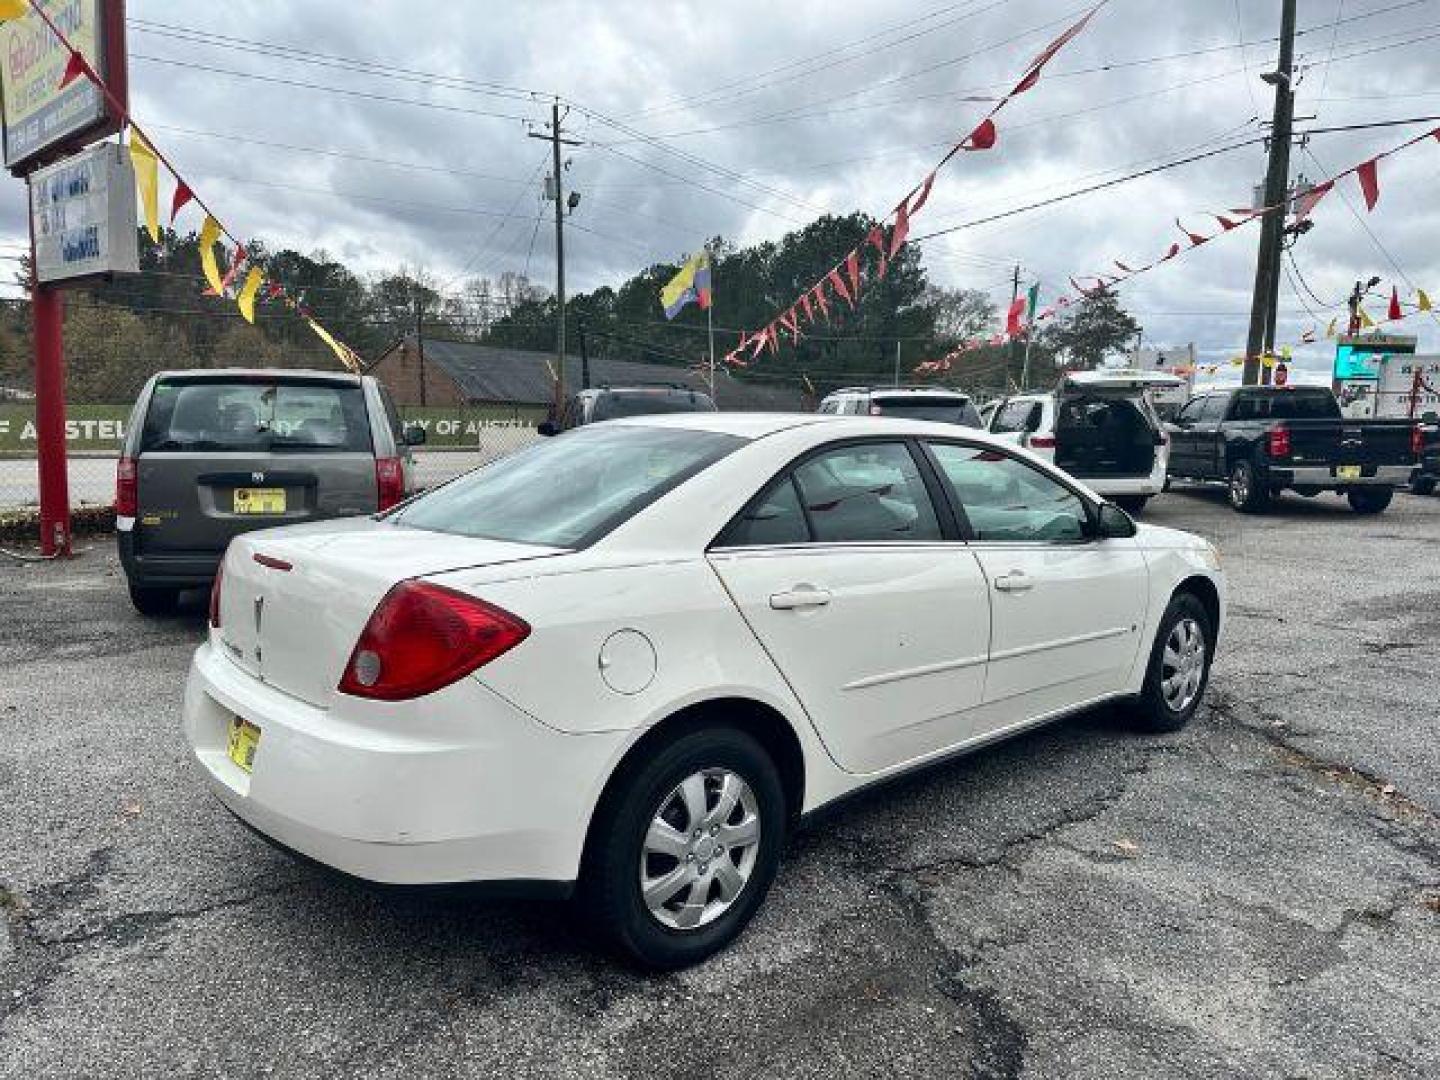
1347,472
259,500
244,741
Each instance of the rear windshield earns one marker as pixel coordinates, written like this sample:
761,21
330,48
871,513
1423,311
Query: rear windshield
256,416
1286,405
570,490
615,404
945,410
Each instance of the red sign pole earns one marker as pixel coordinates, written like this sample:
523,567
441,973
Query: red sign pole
47,307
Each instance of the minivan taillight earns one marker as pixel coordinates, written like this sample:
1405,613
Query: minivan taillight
127,496
1279,444
215,587
389,481
422,637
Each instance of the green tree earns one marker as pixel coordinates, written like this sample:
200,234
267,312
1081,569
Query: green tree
1091,330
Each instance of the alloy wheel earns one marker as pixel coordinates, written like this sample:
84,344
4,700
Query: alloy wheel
700,849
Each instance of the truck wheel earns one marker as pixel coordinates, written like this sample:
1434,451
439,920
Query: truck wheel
1370,500
1247,493
1423,485
152,601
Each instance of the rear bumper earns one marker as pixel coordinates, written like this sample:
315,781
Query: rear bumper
462,787
1110,486
1323,476
180,570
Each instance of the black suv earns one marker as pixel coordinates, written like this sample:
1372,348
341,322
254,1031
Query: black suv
614,402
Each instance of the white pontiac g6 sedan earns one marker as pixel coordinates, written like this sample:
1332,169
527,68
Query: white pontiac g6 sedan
629,659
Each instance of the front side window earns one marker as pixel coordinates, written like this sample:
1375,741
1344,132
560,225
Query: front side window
1010,501
255,416
570,490
867,493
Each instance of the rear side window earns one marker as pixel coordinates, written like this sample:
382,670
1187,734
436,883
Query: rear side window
1288,405
870,493
776,519
260,416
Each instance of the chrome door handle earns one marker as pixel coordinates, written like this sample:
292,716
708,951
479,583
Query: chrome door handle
802,596
1014,581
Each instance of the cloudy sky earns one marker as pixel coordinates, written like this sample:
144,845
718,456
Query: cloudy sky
396,132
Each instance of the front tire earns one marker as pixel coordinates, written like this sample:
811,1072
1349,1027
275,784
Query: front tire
153,601
685,847
1370,500
1179,668
1248,493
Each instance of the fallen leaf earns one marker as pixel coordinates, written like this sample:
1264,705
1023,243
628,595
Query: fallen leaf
1128,848
131,809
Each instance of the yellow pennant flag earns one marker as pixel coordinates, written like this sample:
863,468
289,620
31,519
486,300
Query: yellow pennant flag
343,354
1365,319
147,182
1237,361
209,234
1330,330
246,300
1424,300
14,9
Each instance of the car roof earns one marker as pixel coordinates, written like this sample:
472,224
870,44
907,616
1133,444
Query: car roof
759,425
745,425
927,391
278,374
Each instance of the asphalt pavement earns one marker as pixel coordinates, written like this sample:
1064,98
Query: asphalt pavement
1258,895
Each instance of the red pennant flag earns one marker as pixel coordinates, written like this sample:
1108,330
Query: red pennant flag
821,301
838,284
1122,266
1310,199
183,195
74,68
1225,223
876,239
982,138
806,309
1195,238
1013,317
1174,250
274,290
1032,73
901,229
852,269
1395,314
924,194
1369,176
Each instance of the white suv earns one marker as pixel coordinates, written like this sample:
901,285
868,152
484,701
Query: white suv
908,402
1099,426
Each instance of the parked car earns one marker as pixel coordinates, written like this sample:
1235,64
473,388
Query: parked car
626,661
1100,427
212,454
612,402
1427,474
1262,440
905,402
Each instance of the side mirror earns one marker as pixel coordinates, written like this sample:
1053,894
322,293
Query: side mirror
1112,523
415,435
547,428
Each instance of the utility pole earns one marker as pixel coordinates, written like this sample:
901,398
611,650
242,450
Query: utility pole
557,191
1265,300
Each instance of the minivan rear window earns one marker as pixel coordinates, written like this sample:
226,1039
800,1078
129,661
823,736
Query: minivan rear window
944,410
256,416
614,404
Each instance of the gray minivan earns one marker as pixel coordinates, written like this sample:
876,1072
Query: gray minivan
212,453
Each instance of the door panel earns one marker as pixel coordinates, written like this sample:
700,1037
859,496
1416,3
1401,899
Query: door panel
885,646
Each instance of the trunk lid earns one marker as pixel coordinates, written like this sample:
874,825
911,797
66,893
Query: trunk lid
294,601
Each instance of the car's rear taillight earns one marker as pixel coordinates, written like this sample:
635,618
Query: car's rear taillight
1041,442
1278,445
422,637
127,496
215,587
389,481
1417,440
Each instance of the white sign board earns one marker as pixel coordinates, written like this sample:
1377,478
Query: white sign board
1399,396
83,214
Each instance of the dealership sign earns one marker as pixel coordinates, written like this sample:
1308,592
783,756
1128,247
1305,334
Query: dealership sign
42,119
82,212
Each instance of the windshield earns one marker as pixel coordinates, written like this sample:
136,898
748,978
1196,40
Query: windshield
259,416
1287,405
944,410
571,490
617,403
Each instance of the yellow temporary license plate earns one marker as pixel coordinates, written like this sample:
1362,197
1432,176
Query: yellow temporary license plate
244,741
1347,472
259,500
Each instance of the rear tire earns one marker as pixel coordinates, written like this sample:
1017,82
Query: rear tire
1423,485
1179,668
1248,494
657,831
152,601
1370,500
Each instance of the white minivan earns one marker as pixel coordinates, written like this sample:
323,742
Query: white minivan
1099,426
